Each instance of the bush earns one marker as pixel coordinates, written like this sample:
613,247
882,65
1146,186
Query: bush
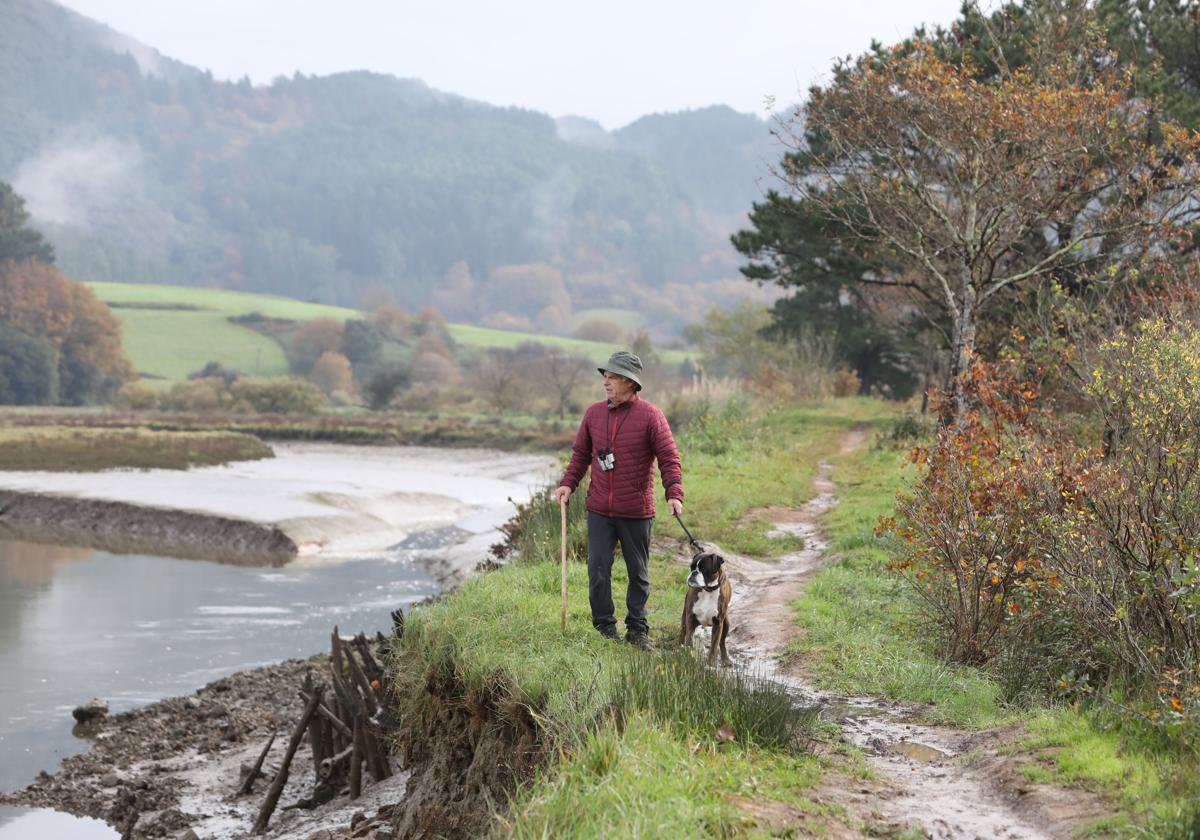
136,396
1068,567
200,395
279,395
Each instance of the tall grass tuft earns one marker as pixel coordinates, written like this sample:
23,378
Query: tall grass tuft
678,690
534,533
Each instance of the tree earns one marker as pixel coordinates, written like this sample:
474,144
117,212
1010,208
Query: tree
498,376
17,240
382,386
333,373
37,300
28,369
561,372
362,344
312,340
792,244
975,188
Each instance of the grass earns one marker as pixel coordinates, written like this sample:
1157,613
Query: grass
62,449
860,637
646,782
627,318
857,617
638,734
171,331
734,464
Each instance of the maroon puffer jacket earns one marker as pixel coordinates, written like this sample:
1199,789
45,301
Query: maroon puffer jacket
637,432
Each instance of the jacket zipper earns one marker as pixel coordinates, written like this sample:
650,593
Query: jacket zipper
608,422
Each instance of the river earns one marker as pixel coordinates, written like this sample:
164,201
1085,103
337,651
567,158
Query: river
131,629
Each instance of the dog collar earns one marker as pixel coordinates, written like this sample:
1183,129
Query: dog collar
715,586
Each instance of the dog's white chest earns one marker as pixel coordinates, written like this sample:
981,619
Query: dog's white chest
705,607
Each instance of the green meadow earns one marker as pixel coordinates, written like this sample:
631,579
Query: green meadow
171,331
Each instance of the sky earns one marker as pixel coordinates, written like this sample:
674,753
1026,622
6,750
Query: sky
611,61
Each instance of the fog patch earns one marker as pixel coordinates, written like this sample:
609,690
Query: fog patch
583,132
73,178
149,60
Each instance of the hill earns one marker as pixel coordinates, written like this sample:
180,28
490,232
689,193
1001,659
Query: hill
142,169
172,331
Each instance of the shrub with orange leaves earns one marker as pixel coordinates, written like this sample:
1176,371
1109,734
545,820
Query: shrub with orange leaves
974,529
1061,565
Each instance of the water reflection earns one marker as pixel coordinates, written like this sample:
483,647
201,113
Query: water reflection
75,624
31,823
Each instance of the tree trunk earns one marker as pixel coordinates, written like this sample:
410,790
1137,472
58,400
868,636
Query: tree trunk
964,350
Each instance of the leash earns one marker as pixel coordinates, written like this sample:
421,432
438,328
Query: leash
691,539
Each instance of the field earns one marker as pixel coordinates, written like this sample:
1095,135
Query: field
171,331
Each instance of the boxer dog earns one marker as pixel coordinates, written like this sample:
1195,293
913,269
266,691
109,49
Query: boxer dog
707,602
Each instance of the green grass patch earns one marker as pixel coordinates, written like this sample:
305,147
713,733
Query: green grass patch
171,331
647,782
627,318
219,300
857,617
169,345
1153,790
734,463
61,449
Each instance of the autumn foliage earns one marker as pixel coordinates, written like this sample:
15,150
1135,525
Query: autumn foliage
38,301
1065,565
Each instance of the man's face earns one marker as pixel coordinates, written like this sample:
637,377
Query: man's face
617,388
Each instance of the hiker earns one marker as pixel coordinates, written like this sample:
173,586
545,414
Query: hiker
619,438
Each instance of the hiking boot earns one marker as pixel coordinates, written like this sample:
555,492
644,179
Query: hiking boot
609,633
639,640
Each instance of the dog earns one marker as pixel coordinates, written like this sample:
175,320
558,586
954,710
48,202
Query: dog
707,603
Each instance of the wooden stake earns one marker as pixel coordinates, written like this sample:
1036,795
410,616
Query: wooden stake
268,806
356,760
562,506
248,784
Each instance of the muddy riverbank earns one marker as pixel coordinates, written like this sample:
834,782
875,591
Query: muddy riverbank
176,765
124,528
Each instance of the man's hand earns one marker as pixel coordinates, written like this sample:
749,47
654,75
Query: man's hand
562,494
676,506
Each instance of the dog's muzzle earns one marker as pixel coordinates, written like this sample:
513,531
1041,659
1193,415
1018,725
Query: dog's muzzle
696,580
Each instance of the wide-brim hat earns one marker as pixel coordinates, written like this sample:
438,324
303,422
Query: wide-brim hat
624,364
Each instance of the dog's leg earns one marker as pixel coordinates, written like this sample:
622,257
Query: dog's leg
685,632
724,635
716,639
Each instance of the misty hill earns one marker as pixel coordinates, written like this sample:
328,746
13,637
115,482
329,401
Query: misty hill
142,169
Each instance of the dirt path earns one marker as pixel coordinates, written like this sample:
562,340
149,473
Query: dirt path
950,783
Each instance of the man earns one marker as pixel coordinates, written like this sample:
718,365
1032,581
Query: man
620,438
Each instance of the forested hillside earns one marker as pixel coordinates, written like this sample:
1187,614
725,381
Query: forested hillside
142,169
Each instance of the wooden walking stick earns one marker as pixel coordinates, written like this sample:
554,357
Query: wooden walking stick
562,507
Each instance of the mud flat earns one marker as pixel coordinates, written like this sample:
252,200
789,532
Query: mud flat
311,502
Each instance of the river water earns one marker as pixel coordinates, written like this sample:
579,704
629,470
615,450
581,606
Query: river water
130,629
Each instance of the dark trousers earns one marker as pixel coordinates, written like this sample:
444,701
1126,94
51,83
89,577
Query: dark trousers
634,535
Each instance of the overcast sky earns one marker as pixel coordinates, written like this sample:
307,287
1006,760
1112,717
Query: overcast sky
611,61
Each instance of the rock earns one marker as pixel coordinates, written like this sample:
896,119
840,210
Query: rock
187,835
93,710
110,779
192,702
